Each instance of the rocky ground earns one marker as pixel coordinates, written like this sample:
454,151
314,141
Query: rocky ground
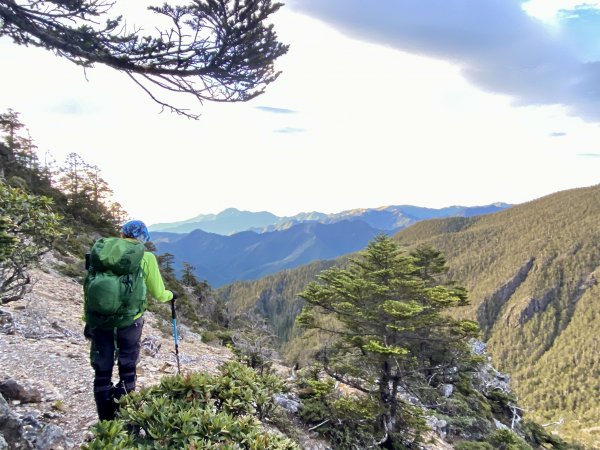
42,349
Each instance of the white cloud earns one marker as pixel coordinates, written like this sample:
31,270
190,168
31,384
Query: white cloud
547,10
379,126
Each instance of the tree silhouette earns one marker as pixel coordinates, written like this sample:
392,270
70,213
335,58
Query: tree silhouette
218,50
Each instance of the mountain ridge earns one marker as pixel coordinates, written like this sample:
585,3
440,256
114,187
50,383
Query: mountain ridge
388,218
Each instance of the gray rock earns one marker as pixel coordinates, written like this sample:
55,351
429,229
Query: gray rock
13,390
7,323
11,429
151,346
439,426
3,444
446,389
31,426
500,425
478,347
52,437
287,403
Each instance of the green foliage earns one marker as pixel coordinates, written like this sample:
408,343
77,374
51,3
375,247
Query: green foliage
388,307
346,422
501,401
532,275
275,297
77,190
29,226
7,242
473,446
539,437
507,440
197,411
73,269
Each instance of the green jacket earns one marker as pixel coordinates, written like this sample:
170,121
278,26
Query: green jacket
154,281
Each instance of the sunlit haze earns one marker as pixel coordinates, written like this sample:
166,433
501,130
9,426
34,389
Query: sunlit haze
367,112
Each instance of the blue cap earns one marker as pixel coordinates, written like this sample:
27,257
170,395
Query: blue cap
136,229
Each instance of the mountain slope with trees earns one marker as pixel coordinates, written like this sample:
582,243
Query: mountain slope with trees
531,272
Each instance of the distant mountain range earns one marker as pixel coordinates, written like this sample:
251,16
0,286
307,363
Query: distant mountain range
242,245
387,218
227,222
249,255
222,254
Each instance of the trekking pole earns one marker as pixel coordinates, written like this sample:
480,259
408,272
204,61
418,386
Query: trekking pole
175,337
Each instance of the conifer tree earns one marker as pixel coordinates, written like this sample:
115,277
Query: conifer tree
96,188
19,158
10,124
187,276
117,214
165,262
390,328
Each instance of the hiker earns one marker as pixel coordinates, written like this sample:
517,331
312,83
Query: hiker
120,274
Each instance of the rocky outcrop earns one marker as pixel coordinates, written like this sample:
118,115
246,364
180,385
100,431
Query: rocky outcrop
12,390
490,307
533,306
537,304
28,431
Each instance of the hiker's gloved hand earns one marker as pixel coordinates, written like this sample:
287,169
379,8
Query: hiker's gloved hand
87,333
175,295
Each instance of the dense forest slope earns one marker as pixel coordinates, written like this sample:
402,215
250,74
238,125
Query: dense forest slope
531,272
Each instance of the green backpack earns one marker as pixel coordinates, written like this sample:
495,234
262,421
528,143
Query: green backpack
114,288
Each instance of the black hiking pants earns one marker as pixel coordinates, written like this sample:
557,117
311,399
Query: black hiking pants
122,344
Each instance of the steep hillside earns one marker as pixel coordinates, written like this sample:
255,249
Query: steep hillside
249,255
531,271
274,297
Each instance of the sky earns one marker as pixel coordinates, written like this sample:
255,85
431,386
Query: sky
423,102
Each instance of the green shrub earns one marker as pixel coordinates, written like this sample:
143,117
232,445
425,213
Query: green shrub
209,336
537,435
507,440
73,270
196,411
501,401
225,336
347,422
473,446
